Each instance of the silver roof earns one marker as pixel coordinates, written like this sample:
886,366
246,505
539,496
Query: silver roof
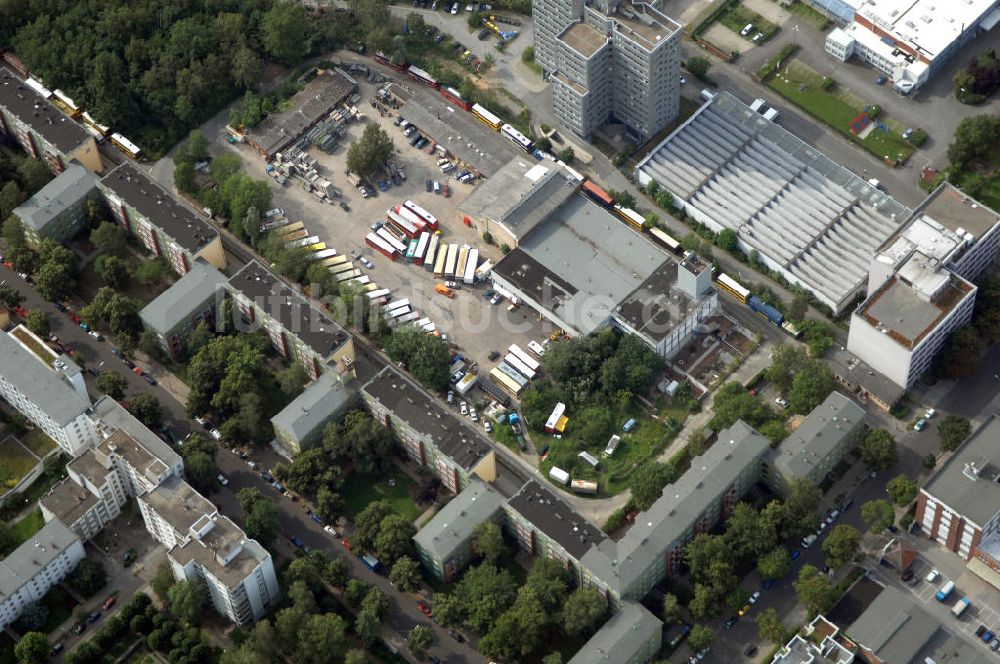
39,383
454,524
968,481
69,187
622,638
32,556
321,401
818,434
113,417
187,295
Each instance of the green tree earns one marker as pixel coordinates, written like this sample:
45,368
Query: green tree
878,515
484,593
554,657
163,581
366,626
727,239
774,564
112,270
10,297
700,637
367,155
356,592
33,616
113,384
10,197
567,155
424,355
32,648
187,601
814,590
799,306
355,656
262,522
799,508
748,534
376,602
420,639
811,388
405,574
109,239
841,545
771,627
671,608
38,322
147,409
583,610
448,609
152,271
488,542
733,402
699,66
901,489
319,637
286,32
961,353
878,449
647,482
953,430
292,378
88,577
55,280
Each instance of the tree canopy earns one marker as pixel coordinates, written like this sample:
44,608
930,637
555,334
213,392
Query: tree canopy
367,155
878,449
953,430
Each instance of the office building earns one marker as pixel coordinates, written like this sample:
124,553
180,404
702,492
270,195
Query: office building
59,210
29,118
47,388
297,329
190,301
609,61
164,225
300,424
816,446
633,635
444,544
907,41
429,436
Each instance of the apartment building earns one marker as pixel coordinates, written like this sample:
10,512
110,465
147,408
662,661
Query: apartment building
190,301
633,635
59,210
87,500
297,329
28,117
654,546
46,388
300,424
816,446
31,569
609,61
429,436
161,222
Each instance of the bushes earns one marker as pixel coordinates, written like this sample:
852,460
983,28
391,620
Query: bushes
827,84
917,137
771,65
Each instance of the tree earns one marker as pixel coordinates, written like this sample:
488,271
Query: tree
286,32
771,627
201,470
567,155
405,574
699,66
367,155
420,639
961,353
376,602
733,402
484,593
550,582
109,239
953,430
974,138
583,610
147,409
11,196
799,508
112,270
700,637
727,239
366,626
799,306
448,609
356,592
810,388
113,384
261,523
748,534
488,542
814,590
902,489
88,577
774,564
187,601
33,648
38,322
10,297
361,439
34,616
647,482
163,580
424,355
841,545
55,280
671,608
319,637
878,449
710,560
554,657
152,271
878,514
355,656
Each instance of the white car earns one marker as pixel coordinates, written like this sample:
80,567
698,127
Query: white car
474,415
367,263
202,421
781,401
451,396
331,530
487,426
215,433
930,413
464,408
932,576
222,479
754,597
252,464
454,9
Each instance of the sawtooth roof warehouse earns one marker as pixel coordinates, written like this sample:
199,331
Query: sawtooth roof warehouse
809,218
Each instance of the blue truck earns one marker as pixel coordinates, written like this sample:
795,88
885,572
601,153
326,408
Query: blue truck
371,562
766,310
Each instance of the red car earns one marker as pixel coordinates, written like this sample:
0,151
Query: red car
73,317
137,371
426,610
108,603
8,265
20,311
346,544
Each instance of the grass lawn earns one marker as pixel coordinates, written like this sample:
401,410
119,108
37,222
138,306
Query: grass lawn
801,86
38,442
60,606
28,526
737,18
16,460
360,490
503,434
809,15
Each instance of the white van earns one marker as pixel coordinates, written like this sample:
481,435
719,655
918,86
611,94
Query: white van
757,104
808,540
771,114
437,187
707,94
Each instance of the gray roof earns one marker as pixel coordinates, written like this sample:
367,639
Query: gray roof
856,372
819,434
903,309
67,189
321,401
160,207
520,195
69,501
40,382
952,208
184,298
39,114
582,262
966,483
557,519
27,560
657,306
179,504
113,417
622,638
454,523
620,564
223,540
798,208
893,627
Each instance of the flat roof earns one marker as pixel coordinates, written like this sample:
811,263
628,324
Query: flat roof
289,308
307,107
137,456
893,627
160,207
657,306
644,25
968,481
905,313
453,525
583,38
801,210
69,501
821,432
186,295
584,262
40,114
622,638
856,372
319,402
179,504
114,418
410,403
61,193
224,551
89,466
40,382
578,88
620,564
549,513
33,556
952,208
928,26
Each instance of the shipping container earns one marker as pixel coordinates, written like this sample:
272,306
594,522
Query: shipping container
559,475
344,276
492,390
666,241
470,266
406,318
536,348
431,255
765,310
487,118
422,213
483,271
466,383
513,374
440,261
505,382
529,361
449,266
391,240
422,244
516,137
557,412
395,304
463,259
406,227
612,445
411,217
726,283
522,369
411,249
378,296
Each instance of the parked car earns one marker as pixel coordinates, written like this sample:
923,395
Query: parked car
108,603
316,518
424,609
932,576
920,425
464,408
94,617
215,434
487,426
754,597
494,354
366,262
377,225
331,530
149,379
781,401
455,635
907,575
428,186
729,623
222,479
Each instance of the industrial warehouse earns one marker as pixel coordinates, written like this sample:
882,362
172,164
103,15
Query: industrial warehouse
809,218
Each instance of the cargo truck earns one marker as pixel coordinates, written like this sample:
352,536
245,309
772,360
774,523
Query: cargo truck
960,607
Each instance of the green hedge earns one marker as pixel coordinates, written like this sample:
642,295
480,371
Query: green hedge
709,15
771,65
